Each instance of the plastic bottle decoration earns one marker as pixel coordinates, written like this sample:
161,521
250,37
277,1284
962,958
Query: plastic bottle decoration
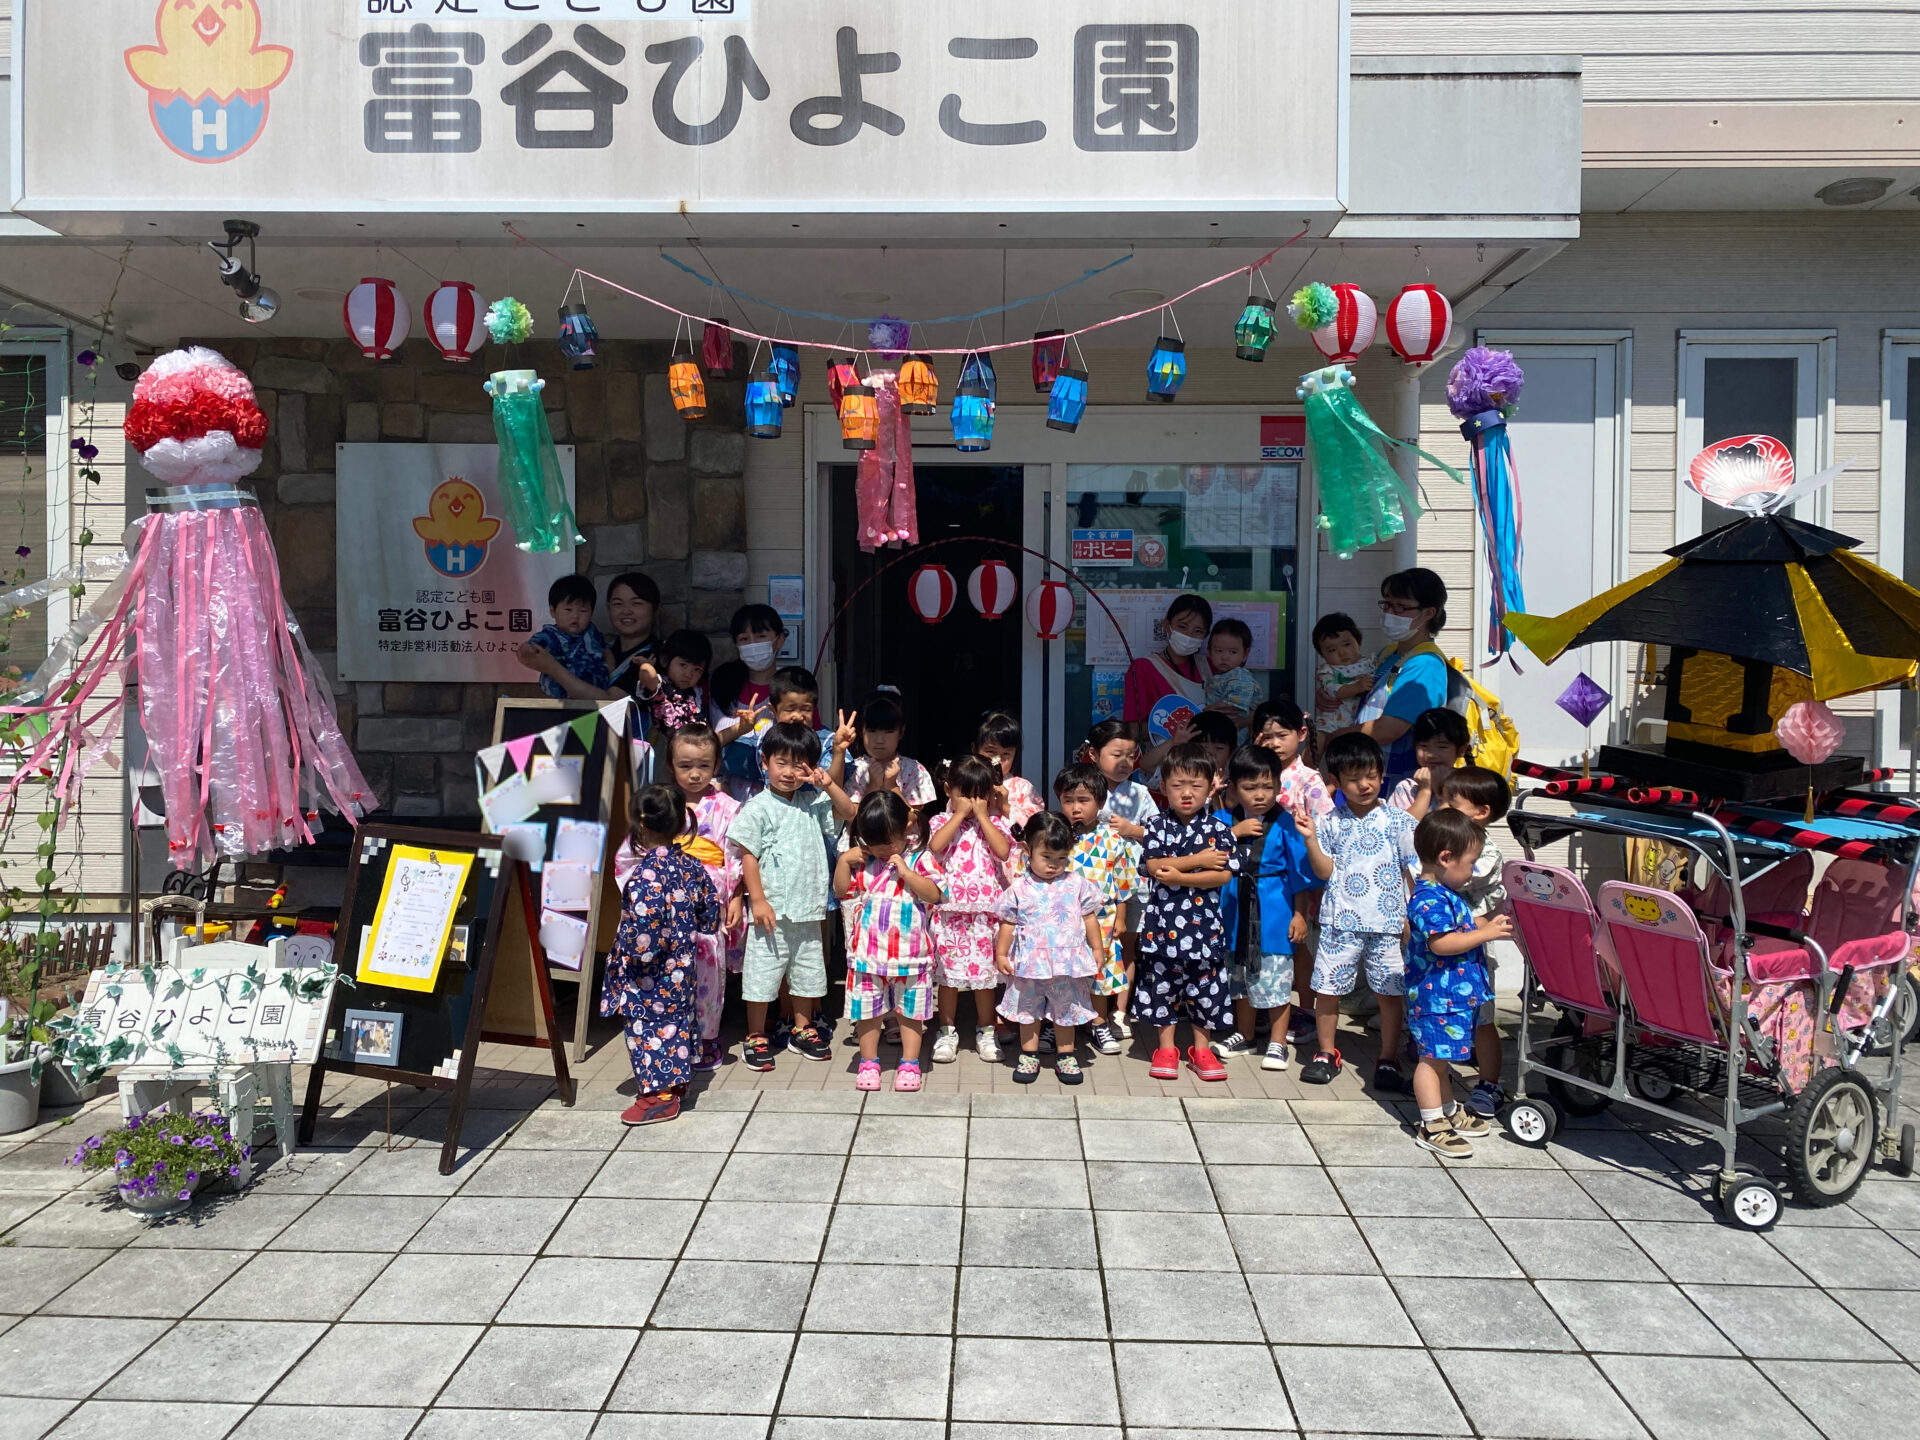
1810,733
1481,391
1419,320
972,418
377,317
688,387
786,372
764,410
840,376
509,322
1050,609
1362,500
578,336
1340,318
716,347
455,316
919,387
991,589
1253,332
859,417
1049,354
1166,370
1068,402
930,593
532,490
976,368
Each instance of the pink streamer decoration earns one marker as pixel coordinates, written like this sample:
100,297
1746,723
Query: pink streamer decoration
884,493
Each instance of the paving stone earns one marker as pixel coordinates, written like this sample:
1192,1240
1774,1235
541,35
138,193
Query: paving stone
996,1139
652,1175
1041,1303
734,1295
69,1357
563,1173
811,1102
1848,1401
1850,1259
616,1426
1232,1144
865,1376
1354,1387
563,1290
1480,1314
1406,1246
1631,1318
1021,1104
1181,1189
574,1130
552,1367
22,1419
1786,1322
310,1172
1626,1196
111,1419
1543,1397
1331,1310
224,1361
1526,1194
404,1172
773,1133
1893,1314
493,1226
1181,1305
441,1289
400,1364
652,1231
1214,1110
917,1298
1038,1239
1233,1385
1712,1255
1574,1250
1273,1189
699,1129
451,1424
911,1135
906,1180
162,1284
357,1222
1300,1245
302,1422
293,1285
1130,1107
1366,1145
707,1372
758,1177
1682,1398
32,1276
1034,1382
1145,1240
17,1205
742,1231
1396,1190
894,1235
1139,1142
85,1219
1892,1204
1036,1184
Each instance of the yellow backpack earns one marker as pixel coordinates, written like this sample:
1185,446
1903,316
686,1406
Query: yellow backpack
1494,736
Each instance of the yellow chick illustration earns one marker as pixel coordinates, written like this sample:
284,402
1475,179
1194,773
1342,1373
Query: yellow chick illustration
456,516
1643,908
209,48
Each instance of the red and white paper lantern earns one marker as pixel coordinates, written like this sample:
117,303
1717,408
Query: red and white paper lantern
1351,329
991,589
377,317
456,321
930,593
1418,322
1050,609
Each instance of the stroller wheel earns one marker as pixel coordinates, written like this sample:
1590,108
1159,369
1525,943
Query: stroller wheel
1832,1134
1652,1084
1751,1203
1531,1121
1900,1021
1568,1050
1904,1164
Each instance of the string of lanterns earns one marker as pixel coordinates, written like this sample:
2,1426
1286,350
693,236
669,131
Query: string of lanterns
991,590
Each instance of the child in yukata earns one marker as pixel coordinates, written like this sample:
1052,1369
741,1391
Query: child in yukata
667,902
1232,685
1366,850
669,685
1483,796
1281,727
973,841
1446,978
1183,957
881,722
997,741
570,647
1129,805
1344,675
1440,742
1107,862
886,882
1048,946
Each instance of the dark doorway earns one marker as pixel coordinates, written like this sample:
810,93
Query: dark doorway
947,673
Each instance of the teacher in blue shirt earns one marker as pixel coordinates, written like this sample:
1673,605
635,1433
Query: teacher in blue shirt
1411,677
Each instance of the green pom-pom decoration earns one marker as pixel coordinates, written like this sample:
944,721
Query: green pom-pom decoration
1313,306
509,322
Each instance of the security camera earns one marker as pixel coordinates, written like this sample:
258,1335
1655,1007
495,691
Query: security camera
258,303
127,370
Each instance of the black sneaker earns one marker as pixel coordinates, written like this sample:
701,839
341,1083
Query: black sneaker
1047,1040
1387,1079
756,1053
1321,1069
1303,1029
779,1034
810,1043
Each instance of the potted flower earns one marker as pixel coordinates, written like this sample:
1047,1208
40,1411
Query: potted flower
19,1074
161,1159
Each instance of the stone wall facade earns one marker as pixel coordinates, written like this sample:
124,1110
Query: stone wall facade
653,493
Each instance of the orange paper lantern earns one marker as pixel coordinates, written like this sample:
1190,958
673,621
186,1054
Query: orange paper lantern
919,387
689,389
859,417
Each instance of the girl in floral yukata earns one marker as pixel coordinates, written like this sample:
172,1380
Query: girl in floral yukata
666,903
997,741
1048,944
693,759
973,842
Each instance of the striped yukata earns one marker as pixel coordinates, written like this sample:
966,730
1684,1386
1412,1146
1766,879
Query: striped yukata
889,941
1107,861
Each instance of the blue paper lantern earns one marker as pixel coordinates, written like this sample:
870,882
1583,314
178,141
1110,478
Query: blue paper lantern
1067,401
977,369
764,407
785,368
577,336
1166,370
972,418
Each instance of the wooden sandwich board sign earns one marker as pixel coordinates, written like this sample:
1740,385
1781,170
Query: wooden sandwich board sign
606,758
423,981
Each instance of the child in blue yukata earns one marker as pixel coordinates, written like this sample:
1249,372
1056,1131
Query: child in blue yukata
1232,685
1265,906
1446,977
575,647
1483,796
1366,850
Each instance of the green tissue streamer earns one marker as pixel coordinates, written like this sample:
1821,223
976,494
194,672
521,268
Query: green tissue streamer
1362,499
532,489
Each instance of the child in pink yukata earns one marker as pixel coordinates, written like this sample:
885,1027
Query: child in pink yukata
1048,946
886,881
973,842
997,741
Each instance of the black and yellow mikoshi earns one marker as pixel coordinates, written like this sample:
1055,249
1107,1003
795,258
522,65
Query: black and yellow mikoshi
1757,597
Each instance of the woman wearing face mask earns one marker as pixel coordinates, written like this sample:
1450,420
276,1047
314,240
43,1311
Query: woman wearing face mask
1411,678
740,689
1165,690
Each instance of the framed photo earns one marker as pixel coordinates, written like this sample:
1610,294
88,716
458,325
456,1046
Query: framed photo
371,1037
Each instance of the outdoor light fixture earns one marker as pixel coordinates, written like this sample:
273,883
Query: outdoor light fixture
786,372
972,417
919,387
1068,401
127,370
1254,330
1166,369
1855,190
859,417
764,406
258,303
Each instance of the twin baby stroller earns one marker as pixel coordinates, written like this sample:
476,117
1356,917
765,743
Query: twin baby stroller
1740,991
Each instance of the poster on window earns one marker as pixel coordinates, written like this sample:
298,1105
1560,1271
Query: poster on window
1235,506
431,584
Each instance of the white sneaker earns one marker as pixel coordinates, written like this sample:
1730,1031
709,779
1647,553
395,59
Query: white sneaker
1277,1056
1121,1027
986,1043
946,1045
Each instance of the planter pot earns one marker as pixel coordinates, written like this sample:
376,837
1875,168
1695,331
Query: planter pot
19,1097
60,1091
153,1207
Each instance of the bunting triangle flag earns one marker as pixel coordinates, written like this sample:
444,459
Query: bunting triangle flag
554,739
491,760
584,726
521,750
614,712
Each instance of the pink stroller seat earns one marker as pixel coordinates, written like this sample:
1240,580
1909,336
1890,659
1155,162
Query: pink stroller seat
1663,955
1558,931
1856,918
1779,897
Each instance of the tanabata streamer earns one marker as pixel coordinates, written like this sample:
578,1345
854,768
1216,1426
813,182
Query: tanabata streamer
1362,500
1481,391
532,490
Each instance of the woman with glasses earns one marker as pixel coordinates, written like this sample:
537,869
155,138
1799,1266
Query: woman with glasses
1412,676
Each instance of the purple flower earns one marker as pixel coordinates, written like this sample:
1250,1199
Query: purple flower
88,450
123,1157
246,1152
95,1143
134,1123
184,1195
23,551
86,358
234,1170
193,1177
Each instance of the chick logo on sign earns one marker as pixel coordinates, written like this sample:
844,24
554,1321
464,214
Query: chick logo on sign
456,528
209,79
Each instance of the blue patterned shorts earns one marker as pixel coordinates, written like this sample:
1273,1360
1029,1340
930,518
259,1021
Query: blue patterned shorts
1344,953
1442,1034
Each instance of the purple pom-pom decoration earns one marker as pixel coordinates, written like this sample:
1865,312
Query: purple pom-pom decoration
1483,380
890,336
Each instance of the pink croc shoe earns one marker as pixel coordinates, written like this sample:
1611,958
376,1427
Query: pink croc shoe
907,1077
868,1077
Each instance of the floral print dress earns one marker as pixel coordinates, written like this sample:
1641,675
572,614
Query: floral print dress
667,901
719,950
964,927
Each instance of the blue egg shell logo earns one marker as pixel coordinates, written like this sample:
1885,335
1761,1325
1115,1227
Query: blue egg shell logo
209,79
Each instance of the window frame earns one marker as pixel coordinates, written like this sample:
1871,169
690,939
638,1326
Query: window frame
1899,350
53,346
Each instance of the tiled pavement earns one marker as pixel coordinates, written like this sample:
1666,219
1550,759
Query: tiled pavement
977,1262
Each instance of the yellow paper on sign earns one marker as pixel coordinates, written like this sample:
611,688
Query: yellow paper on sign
414,919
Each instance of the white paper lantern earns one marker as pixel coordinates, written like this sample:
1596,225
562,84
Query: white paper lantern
1050,609
1418,323
456,318
991,589
377,317
930,593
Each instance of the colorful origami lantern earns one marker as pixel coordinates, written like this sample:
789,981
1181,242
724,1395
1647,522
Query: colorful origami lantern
972,418
919,387
930,593
1068,402
1050,609
377,317
716,347
688,388
977,369
1253,332
841,377
764,409
1049,354
1341,318
1584,700
577,335
1166,370
991,589
455,316
859,417
786,372
1418,322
